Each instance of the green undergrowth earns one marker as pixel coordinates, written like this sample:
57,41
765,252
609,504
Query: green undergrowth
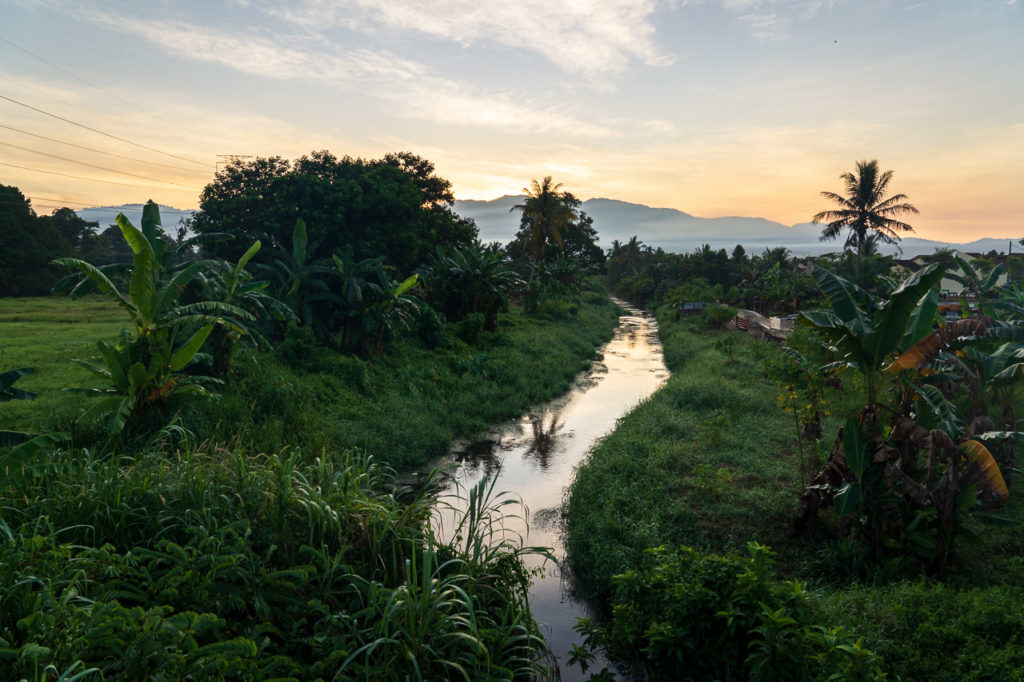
708,461
406,406
711,463
263,534
214,564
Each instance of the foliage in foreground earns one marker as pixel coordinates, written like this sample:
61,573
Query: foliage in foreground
685,614
218,565
709,462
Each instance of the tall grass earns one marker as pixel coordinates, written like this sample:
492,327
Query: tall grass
224,565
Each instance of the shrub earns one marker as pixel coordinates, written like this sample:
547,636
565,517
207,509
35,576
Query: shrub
299,348
725,618
470,328
717,316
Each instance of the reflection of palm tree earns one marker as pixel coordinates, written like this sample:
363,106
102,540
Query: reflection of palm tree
544,435
546,213
865,209
481,454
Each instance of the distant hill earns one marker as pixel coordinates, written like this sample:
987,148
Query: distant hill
105,215
671,229
674,230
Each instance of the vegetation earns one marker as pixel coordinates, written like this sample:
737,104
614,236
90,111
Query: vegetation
210,564
27,245
708,464
393,208
340,320
407,405
260,534
864,209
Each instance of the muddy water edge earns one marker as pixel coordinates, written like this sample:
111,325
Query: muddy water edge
534,458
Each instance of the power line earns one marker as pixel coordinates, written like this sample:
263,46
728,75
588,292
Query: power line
62,201
79,177
100,151
87,82
100,132
92,165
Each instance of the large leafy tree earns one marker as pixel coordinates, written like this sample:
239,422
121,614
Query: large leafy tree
27,245
864,209
395,208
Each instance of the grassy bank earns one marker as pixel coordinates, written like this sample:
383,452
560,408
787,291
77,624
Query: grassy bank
708,461
404,407
407,406
262,536
710,464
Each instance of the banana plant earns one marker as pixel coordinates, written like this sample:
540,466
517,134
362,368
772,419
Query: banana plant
976,285
145,367
304,285
868,330
236,286
902,472
471,279
8,392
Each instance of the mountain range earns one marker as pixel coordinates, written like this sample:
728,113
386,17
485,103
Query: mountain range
680,232
668,228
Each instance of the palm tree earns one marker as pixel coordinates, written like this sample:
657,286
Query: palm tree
545,213
865,209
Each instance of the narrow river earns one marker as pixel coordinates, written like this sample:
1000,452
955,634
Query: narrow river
535,457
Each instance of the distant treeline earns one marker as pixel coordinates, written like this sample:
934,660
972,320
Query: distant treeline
28,242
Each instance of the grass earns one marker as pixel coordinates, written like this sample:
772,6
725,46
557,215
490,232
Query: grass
708,461
711,462
407,406
262,535
45,333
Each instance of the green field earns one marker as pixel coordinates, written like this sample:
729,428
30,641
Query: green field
47,334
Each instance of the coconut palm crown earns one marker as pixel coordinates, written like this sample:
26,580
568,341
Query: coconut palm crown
546,213
864,209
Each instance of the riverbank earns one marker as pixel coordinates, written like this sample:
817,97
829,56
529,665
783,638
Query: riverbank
710,464
407,406
262,536
534,456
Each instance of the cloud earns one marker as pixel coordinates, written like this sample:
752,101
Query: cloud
417,89
770,20
590,37
661,127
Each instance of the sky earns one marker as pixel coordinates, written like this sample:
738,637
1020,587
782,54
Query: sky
713,107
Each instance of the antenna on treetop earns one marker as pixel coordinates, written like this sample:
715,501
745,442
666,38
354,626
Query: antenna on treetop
228,158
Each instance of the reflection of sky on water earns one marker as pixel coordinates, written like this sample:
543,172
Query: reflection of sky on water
537,454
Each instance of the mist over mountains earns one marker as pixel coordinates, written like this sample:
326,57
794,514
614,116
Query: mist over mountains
668,228
105,215
680,232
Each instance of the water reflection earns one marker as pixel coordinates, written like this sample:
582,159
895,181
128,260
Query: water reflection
535,457
545,434
479,458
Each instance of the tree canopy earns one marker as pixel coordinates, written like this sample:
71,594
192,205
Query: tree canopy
27,245
395,208
552,224
864,209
